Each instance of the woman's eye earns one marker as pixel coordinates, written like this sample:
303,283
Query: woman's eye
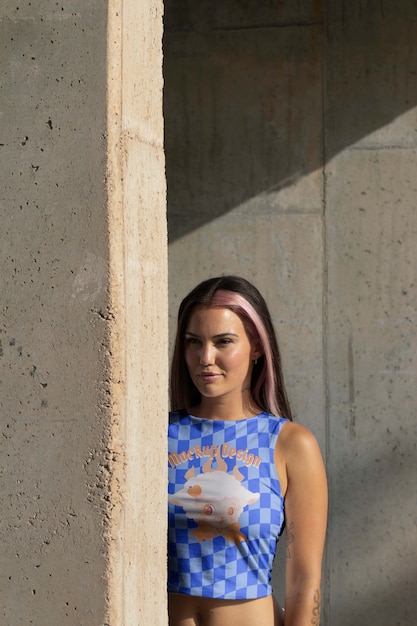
208,509
225,341
191,340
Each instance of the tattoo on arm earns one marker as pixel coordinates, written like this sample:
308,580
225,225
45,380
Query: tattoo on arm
290,538
315,617
315,620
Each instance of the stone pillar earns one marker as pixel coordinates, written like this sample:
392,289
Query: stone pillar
83,287
138,253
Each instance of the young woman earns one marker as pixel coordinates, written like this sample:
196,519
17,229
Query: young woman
239,469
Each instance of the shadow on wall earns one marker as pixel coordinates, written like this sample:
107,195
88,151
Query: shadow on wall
258,95
373,572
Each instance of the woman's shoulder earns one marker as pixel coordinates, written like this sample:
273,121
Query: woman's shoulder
297,441
298,458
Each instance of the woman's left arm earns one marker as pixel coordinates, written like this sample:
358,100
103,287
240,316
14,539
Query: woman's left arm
299,461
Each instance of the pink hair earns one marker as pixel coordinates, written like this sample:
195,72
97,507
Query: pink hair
256,330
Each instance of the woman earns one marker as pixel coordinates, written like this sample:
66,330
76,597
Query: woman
235,457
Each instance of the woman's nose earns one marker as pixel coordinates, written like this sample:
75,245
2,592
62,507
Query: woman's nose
206,355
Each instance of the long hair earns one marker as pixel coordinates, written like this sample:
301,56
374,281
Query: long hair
241,297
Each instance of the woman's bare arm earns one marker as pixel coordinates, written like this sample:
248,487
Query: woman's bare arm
298,455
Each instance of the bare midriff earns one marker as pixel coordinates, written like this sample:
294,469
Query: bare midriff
187,610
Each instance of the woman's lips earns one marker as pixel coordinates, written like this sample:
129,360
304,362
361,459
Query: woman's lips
209,377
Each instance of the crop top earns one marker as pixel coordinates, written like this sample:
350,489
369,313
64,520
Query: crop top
226,509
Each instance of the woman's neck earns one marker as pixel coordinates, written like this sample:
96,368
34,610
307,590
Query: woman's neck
226,409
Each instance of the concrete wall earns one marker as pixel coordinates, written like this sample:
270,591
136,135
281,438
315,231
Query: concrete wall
371,229
83,336
290,146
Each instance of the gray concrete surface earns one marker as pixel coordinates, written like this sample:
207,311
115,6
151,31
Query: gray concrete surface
291,158
83,295
54,304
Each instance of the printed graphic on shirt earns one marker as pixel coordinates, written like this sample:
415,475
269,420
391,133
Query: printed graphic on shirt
225,450
215,500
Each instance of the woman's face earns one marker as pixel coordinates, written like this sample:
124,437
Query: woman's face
218,352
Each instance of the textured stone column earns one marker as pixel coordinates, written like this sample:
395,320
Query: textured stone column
83,328
138,253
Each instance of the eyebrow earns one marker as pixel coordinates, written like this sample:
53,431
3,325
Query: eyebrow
219,336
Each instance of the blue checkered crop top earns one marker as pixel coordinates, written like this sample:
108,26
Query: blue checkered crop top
226,510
